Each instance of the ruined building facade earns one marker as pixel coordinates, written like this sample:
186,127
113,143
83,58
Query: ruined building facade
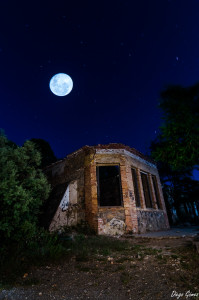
114,188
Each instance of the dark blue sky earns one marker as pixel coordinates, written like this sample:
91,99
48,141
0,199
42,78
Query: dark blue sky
120,55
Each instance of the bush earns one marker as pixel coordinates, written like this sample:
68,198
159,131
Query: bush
23,188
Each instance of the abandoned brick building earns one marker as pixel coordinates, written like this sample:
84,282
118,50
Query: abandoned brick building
114,188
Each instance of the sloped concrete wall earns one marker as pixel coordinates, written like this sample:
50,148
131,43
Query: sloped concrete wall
69,215
70,173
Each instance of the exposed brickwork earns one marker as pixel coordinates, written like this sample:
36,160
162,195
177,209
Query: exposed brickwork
131,218
121,146
81,166
91,192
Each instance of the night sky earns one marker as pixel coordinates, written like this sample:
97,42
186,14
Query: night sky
120,55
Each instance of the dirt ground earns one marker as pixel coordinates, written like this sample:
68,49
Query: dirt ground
150,269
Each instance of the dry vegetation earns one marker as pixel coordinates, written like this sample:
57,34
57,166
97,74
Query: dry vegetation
113,268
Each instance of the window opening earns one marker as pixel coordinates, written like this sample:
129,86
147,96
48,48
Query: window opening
146,190
157,195
136,190
109,186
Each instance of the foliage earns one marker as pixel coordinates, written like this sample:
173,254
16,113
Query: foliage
81,228
49,248
23,187
17,259
180,192
176,147
47,154
178,141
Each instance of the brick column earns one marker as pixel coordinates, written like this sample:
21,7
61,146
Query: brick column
140,188
90,185
128,197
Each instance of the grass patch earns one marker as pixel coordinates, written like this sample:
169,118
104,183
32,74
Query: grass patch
31,281
103,259
83,257
125,278
16,259
151,251
161,259
122,259
174,256
185,265
189,258
96,245
189,262
136,248
120,268
51,248
133,266
83,269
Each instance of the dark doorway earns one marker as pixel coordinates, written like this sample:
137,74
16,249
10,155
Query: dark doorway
109,186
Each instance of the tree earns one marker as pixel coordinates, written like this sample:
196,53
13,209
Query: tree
47,154
180,193
178,141
176,147
23,188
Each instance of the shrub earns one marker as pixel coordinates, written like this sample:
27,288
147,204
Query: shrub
23,188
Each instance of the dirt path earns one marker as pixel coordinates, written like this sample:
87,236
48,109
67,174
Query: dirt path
150,269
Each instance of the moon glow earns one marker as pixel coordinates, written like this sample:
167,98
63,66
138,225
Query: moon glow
61,84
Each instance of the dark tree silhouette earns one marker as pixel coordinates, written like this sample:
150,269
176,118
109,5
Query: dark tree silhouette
178,141
47,154
23,189
176,149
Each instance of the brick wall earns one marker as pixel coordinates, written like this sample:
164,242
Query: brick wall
81,165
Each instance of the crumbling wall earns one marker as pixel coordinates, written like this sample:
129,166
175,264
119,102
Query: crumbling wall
151,221
111,221
128,218
70,173
78,173
67,213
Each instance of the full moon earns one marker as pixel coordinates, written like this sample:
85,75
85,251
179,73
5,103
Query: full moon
61,84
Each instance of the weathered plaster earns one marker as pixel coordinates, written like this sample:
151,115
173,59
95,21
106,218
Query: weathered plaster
66,214
151,220
124,152
113,227
80,167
